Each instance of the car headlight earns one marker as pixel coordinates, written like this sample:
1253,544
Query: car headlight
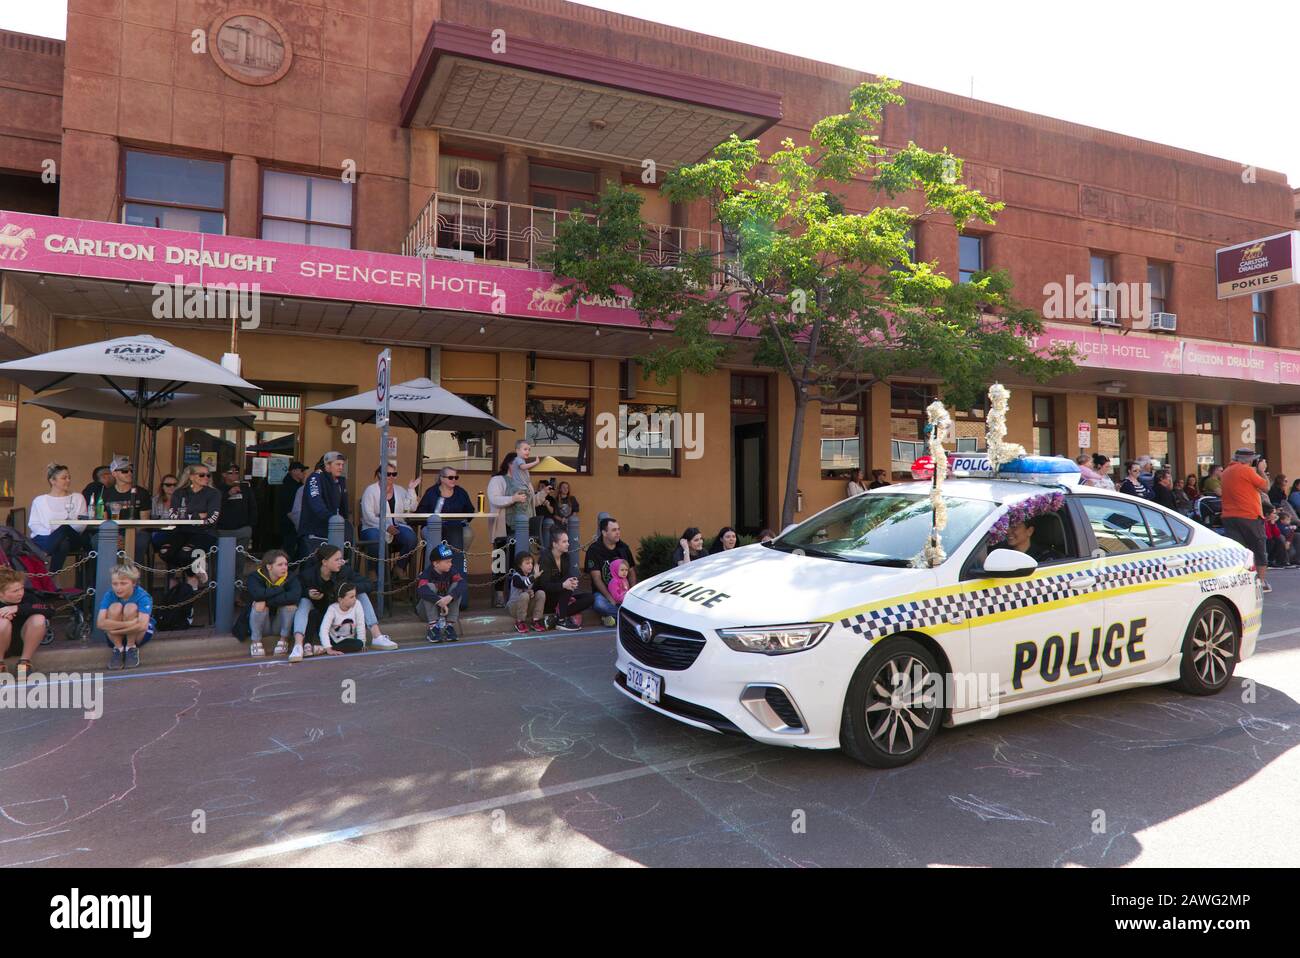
775,639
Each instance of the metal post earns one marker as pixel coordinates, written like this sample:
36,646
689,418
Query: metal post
106,558
227,545
575,544
337,530
519,529
432,536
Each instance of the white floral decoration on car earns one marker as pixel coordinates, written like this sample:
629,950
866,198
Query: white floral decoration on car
995,425
940,425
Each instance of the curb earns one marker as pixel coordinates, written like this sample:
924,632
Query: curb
204,645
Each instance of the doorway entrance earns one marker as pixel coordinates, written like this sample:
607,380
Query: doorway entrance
749,453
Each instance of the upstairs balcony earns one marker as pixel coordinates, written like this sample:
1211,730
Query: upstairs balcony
499,233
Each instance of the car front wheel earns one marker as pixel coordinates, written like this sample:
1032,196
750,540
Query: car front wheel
892,708
1209,650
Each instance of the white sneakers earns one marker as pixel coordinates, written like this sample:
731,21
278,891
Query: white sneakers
296,654
382,642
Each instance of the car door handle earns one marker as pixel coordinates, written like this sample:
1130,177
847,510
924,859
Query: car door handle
1175,562
1082,582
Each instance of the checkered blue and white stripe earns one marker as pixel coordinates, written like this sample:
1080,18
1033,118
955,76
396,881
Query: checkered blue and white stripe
969,606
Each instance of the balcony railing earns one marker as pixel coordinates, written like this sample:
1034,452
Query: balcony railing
494,231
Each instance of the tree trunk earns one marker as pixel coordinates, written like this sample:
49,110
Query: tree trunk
796,447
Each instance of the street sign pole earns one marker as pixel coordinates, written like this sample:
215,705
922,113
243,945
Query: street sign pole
382,369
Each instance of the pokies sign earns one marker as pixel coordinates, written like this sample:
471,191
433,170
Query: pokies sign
1257,266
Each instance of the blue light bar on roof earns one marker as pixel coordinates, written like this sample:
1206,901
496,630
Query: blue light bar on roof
1044,470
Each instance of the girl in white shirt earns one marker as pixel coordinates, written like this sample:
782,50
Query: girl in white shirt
48,519
344,626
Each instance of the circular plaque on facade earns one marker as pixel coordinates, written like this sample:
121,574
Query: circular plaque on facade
250,46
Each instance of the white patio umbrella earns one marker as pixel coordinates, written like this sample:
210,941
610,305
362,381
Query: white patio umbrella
419,404
143,370
176,409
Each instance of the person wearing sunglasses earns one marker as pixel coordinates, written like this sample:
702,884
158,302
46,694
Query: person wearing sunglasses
401,537
447,496
123,499
238,504
194,499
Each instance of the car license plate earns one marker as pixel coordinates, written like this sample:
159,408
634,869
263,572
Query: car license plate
646,684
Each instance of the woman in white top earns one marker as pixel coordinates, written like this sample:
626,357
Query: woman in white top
401,537
498,500
49,518
857,485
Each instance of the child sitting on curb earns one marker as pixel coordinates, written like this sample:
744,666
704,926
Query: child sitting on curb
22,621
344,623
527,603
440,591
126,616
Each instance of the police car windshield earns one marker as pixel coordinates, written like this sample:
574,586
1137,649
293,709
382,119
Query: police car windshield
881,529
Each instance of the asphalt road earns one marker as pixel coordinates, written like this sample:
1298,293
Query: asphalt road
522,753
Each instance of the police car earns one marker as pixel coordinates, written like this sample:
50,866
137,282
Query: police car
837,635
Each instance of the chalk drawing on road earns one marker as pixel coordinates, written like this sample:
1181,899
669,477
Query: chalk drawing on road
992,811
53,808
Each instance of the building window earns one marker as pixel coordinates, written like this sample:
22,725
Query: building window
1099,279
313,210
649,435
907,402
971,257
1259,304
174,192
748,392
558,427
8,440
558,188
1044,426
969,427
466,451
841,454
1112,432
1158,278
1162,434
1209,438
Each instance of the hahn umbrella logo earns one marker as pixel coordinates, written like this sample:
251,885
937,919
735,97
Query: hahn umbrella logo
13,242
135,352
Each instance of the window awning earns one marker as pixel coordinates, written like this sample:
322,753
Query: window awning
544,96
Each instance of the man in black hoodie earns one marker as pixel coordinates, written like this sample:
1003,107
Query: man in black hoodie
238,504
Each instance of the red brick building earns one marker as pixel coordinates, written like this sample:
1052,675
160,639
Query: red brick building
455,131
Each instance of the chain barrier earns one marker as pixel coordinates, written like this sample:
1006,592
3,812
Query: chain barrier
200,593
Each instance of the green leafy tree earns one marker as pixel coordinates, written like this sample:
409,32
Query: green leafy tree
832,298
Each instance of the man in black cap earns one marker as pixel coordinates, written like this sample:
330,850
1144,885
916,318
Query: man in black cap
134,501
287,528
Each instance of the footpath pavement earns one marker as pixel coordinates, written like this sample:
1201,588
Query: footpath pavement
203,645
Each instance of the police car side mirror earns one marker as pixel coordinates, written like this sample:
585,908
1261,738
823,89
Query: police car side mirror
1009,563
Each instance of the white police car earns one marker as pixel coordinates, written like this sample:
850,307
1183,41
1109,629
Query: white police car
832,637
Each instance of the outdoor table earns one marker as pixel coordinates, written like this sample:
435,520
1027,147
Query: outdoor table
129,526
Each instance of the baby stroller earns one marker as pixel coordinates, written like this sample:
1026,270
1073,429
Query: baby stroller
21,553
1208,511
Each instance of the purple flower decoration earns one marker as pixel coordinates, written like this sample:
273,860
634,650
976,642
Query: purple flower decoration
1025,510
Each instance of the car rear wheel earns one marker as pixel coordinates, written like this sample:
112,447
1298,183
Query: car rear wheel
892,708
1209,650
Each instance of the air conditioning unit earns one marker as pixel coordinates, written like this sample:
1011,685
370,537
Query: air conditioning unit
1104,316
1165,322
468,179
463,255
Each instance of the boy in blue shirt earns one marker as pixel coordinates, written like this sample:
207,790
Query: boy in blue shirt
126,616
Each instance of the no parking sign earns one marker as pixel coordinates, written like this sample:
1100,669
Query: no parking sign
381,387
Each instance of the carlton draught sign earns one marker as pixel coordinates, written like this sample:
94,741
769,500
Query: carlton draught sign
1257,266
